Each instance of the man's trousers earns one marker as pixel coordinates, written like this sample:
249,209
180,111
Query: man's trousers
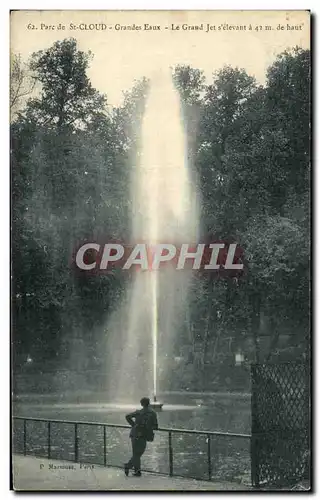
139,445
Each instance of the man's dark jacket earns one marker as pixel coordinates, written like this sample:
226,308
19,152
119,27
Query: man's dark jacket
143,423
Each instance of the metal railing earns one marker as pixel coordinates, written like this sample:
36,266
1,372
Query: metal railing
209,435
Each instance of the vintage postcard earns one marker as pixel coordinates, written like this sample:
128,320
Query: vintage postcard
160,167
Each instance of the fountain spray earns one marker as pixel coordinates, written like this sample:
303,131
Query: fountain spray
164,209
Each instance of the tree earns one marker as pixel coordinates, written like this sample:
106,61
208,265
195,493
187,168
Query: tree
57,193
67,97
222,109
252,157
22,83
190,82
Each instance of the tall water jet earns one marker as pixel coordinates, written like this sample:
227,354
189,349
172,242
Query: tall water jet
164,210
154,332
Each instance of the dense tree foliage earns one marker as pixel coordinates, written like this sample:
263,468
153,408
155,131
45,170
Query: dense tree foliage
71,159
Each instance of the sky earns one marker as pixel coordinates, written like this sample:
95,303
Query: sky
122,55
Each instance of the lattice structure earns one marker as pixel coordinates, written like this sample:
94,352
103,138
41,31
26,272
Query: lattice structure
280,451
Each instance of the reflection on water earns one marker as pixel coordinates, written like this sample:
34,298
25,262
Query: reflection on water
212,413
99,407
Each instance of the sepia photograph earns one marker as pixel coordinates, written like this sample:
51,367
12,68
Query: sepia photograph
160,250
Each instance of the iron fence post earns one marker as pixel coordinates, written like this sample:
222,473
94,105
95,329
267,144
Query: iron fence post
76,444
254,439
49,439
170,455
254,461
104,446
209,456
24,437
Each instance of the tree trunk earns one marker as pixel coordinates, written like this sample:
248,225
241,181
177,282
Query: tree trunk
275,334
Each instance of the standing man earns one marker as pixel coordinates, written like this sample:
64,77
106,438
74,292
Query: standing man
143,422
